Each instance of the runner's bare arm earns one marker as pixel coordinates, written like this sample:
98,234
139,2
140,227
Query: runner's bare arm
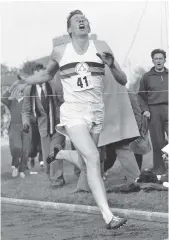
39,77
118,74
26,106
44,75
108,58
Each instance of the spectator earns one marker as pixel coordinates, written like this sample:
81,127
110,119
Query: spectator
153,95
42,100
133,86
35,143
28,69
19,142
123,148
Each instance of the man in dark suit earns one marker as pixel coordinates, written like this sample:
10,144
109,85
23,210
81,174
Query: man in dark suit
43,101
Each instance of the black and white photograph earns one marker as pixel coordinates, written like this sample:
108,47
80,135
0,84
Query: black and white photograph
84,120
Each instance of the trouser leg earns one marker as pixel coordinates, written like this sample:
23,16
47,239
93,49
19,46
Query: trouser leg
26,140
139,160
110,156
56,168
128,162
40,157
157,134
15,143
45,144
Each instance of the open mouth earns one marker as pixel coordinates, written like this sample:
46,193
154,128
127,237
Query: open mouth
81,26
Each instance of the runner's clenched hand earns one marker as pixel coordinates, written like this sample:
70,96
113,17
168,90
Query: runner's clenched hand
107,58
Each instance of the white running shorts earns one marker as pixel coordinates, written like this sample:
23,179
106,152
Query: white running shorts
88,114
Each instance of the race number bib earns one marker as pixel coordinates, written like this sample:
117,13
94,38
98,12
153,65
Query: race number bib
82,82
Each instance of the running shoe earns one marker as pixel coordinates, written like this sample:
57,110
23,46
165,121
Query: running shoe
41,163
15,172
52,156
22,175
116,223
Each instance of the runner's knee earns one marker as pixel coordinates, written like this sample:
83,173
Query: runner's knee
93,158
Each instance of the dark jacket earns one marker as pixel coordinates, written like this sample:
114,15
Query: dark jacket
42,119
136,108
14,107
153,89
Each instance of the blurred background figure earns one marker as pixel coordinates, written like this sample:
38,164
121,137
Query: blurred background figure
28,69
35,143
133,84
19,141
124,149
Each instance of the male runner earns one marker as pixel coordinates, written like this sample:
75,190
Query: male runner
82,70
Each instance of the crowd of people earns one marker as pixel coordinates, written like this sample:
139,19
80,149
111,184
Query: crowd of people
82,94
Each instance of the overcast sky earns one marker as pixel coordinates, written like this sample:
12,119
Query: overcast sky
27,28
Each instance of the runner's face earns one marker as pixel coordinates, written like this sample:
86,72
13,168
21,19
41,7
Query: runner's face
79,25
159,61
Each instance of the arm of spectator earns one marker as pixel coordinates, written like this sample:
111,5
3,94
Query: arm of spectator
58,95
142,95
26,107
5,99
58,89
136,109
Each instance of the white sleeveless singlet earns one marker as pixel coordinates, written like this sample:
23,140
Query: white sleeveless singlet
82,75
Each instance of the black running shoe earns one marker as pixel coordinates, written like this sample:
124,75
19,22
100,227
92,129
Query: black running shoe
52,156
116,223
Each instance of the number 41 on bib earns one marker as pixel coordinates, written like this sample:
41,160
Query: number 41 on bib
82,83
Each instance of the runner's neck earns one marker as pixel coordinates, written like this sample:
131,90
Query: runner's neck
80,44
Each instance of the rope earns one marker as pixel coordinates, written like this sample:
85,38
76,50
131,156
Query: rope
166,21
103,93
161,27
143,12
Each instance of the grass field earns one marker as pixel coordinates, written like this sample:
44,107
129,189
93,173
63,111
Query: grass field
36,187
25,223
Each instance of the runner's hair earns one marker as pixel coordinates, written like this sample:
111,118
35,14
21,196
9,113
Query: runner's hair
71,14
